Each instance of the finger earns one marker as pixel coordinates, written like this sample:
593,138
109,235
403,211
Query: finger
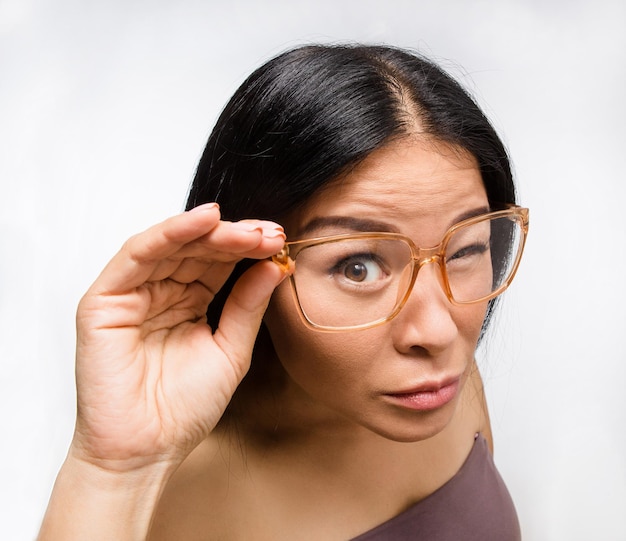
198,259
173,304
243,312
232,241
191,269
141,254
158,252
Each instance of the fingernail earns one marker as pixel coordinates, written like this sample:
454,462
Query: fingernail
205,207
273,234
243,226
266,225
272,226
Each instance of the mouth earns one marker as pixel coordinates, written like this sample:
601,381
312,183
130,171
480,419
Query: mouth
427,397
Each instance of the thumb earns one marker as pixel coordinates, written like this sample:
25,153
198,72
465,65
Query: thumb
243,312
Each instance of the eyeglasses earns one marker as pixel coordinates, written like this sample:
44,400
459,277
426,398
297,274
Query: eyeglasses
361,280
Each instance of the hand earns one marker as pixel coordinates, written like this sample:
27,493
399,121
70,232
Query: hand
152,378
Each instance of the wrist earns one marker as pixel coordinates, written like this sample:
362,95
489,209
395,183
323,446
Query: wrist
92,502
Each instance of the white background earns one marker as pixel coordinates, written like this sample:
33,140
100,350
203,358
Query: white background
104,110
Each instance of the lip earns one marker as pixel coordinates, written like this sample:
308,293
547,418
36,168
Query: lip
428,396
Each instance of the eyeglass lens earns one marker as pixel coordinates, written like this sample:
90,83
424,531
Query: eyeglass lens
359,280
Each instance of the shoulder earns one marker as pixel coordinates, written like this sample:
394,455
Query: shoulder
474,505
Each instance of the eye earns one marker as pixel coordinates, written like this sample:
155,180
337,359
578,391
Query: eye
468,251
359,268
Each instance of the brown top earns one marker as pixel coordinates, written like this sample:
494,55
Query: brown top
474,505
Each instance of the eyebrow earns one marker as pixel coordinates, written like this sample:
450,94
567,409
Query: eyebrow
366,225
348,223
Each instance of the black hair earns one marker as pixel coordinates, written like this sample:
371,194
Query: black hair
311,113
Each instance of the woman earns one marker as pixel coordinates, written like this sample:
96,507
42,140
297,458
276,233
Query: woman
361,414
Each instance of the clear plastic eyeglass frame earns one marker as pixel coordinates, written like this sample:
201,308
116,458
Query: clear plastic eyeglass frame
419,258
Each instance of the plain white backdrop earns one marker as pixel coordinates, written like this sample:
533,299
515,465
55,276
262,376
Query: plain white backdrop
104,110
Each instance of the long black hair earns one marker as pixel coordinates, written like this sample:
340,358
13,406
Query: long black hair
309,114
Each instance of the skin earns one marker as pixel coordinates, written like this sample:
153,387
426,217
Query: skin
349,374
318,437
154,454
152,381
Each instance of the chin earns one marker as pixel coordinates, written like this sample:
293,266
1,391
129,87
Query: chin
410,436
414,427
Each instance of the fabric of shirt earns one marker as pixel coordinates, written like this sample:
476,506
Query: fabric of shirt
474,505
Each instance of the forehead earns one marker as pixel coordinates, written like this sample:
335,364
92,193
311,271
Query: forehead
413,182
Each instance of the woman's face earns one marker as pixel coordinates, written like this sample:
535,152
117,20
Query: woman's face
402,379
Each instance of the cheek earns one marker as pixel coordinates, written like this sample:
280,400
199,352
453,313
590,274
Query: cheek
283,320
469,319
296,346
313,359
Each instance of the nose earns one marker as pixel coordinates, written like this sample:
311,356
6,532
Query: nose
425,322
